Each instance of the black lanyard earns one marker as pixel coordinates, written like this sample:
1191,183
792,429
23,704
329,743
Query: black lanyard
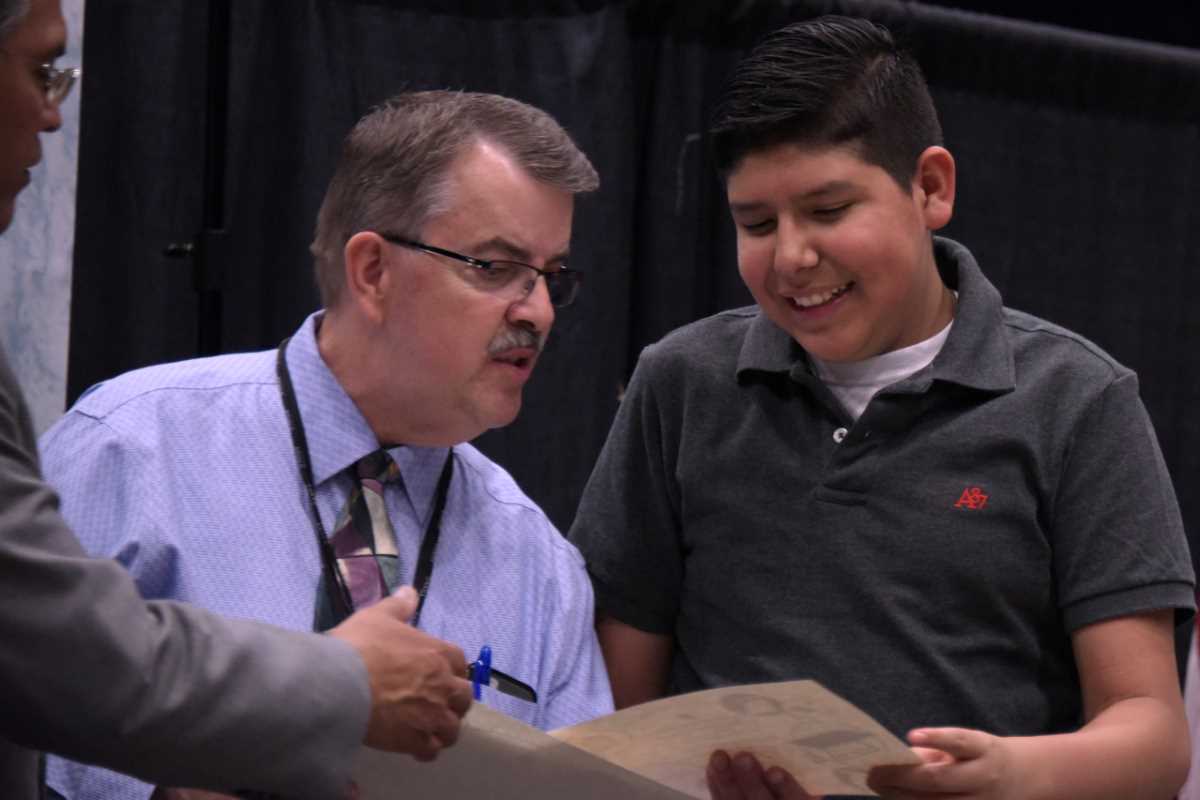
335,584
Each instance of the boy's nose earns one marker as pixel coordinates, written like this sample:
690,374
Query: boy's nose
794,251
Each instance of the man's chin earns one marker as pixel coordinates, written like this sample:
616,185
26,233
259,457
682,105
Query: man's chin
503,420
502,414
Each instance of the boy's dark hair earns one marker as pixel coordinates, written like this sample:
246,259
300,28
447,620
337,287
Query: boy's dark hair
826,82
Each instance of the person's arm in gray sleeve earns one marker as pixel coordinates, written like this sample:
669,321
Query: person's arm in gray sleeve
178,696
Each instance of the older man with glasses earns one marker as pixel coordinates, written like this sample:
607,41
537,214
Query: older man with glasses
298,484
172,693
31,88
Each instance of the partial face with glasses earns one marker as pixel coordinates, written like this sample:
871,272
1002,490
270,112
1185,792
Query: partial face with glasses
513,280
469,301
31,88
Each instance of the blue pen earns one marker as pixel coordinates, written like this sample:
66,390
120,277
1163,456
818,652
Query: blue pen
481,671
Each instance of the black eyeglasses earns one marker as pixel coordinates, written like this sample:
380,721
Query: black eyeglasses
512,280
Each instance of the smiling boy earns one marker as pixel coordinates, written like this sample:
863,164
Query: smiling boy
952,513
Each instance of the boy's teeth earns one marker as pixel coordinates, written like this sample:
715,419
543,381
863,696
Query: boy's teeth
808,301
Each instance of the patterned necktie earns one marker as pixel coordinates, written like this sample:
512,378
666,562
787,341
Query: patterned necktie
364,542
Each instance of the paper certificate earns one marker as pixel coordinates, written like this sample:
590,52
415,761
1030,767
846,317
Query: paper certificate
653,751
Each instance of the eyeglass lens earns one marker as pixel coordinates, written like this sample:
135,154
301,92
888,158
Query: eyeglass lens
561,285
58,82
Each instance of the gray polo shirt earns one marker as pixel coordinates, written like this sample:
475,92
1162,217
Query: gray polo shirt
928,561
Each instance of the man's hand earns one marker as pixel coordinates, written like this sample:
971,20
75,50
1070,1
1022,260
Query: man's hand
419,691
956,762
743,778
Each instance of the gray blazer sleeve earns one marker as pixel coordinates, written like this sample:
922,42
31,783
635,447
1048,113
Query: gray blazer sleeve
160,690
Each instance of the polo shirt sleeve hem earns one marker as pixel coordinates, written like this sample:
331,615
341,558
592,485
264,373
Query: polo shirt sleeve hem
1177,595
636,614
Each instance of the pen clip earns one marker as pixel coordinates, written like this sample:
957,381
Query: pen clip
481,672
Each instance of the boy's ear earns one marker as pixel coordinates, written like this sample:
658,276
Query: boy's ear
933,186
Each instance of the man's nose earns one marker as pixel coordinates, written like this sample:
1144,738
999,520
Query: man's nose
535,310
51,117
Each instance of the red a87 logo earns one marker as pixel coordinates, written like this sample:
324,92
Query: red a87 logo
973,497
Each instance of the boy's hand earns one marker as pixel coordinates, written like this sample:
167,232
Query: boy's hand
957,762
743,778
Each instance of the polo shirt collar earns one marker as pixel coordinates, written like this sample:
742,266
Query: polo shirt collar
336,431
976,354
768,348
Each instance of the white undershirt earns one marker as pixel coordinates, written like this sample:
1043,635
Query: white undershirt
856,382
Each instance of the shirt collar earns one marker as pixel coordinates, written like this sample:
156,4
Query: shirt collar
768,348
336,431
976,353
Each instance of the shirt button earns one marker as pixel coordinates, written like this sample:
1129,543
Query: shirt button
839,435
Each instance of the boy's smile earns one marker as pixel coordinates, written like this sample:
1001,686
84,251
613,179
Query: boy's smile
836,253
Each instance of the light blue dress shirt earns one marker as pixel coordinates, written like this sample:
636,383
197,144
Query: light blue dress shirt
186,474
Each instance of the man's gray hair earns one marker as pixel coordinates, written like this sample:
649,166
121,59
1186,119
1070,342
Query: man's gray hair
392,174
11,12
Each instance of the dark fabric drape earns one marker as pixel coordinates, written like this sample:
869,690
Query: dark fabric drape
1077,155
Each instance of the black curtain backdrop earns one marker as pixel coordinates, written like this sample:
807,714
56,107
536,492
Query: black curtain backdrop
1078,161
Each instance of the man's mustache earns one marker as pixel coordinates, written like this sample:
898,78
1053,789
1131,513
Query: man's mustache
513,338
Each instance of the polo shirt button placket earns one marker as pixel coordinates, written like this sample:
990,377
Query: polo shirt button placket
839,435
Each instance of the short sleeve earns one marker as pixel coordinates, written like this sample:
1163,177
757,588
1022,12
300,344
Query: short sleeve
627,525
1119,544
